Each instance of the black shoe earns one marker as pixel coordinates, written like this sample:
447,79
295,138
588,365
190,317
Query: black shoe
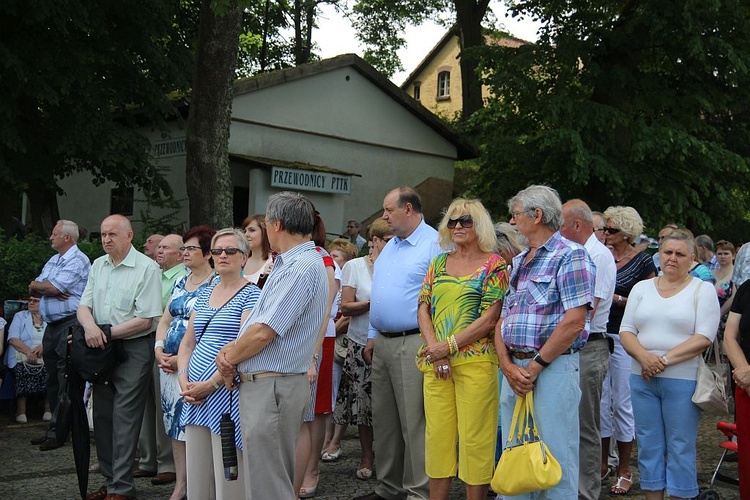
50,444
39,440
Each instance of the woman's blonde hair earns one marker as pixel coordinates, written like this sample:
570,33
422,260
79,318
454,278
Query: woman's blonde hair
345,247
482,224
627,221
242,243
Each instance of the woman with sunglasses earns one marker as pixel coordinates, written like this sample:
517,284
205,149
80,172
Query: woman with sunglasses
459,305
196,257
354,401
622,226
260,259
215,320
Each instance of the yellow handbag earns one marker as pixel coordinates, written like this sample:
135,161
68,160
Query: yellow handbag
526,465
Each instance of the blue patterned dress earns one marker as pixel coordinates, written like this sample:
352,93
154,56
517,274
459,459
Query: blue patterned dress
180,307
222,329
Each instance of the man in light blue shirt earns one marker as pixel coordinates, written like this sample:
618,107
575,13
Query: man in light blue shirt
60,286
393,340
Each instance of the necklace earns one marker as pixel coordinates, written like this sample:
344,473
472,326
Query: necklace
210,272
617,261
38,327
678,285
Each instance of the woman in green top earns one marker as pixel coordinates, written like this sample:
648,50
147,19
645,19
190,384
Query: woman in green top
459,304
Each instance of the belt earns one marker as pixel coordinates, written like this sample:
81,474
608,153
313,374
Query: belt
597,336
62,320
531,354
392,335
251,377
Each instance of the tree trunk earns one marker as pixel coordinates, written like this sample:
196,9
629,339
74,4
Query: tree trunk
209,186
469,15
43,206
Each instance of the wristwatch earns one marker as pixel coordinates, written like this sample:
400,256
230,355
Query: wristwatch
538,358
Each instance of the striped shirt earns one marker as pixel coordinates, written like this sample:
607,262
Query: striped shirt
68,273
212,332
559,277
292,303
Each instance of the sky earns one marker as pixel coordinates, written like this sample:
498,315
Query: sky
336,36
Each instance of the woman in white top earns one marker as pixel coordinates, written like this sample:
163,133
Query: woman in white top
260,260
669,321
354,403
25,358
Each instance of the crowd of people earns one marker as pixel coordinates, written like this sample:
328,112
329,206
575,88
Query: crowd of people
422,338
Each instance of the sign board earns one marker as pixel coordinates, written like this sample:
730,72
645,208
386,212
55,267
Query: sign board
306,180
169,148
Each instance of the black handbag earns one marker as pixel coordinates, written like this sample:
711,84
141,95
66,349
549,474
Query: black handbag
95,365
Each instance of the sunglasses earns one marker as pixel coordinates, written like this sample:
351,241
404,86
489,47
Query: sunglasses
230,251
191,248
465,220
611,230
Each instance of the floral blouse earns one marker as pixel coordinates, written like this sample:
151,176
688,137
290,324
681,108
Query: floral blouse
457,301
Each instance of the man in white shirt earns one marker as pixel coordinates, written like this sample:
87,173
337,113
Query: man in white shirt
578,227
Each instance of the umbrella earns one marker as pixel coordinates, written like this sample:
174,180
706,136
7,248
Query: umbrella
79,432
72,419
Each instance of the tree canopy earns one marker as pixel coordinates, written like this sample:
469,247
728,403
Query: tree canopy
635,102
78,77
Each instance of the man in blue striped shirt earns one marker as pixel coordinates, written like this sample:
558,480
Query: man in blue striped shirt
275,348
60,286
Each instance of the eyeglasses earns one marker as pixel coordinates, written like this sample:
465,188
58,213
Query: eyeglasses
599,230
465,220
191,248
230,251
611,230
516,213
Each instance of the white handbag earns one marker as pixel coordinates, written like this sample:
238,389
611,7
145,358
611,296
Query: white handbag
711,393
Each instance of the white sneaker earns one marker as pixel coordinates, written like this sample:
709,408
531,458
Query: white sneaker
47,416
21,419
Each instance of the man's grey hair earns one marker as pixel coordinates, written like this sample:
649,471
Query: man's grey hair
579,209
295,212
601,218
353,221
544,198
705,241
69,228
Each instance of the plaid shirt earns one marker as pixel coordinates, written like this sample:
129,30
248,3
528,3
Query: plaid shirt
559,277
67,273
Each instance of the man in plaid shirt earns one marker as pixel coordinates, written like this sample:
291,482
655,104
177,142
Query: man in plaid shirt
543,326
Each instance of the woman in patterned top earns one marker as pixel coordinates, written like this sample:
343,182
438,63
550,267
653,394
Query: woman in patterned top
459,305
217,315
197,258
622,226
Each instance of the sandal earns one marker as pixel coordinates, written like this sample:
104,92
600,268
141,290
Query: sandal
331,457
364,473
619,489
308,492
610,470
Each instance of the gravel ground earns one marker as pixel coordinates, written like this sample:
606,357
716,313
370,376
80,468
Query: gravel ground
29,474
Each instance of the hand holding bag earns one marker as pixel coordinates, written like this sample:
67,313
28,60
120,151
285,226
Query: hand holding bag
528,465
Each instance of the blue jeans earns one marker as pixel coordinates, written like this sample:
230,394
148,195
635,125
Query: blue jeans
556,397
666,424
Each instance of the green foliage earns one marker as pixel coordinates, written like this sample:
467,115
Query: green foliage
21,261
637,103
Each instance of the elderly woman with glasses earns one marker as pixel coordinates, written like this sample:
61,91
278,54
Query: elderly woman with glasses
215,320
196,257
622,226
668,323
459,305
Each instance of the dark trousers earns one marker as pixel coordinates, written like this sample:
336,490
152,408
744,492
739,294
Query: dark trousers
55,345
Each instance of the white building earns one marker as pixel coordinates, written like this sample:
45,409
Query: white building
336,130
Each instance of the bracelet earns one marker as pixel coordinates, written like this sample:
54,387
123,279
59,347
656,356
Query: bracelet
452,345
157,344
216,386
182,372
665,359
